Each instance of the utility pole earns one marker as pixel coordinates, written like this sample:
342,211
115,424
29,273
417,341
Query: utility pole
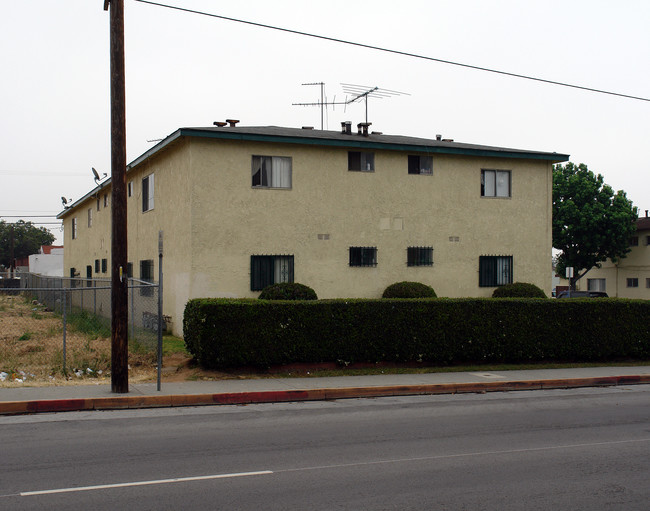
119,254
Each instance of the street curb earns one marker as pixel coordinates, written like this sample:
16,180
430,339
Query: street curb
283,396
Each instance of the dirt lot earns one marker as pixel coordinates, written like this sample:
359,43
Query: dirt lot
31,351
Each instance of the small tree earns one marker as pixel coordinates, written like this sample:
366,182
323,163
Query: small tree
591,223
25,238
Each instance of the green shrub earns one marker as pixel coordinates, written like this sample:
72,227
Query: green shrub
409,290
288,291
518,290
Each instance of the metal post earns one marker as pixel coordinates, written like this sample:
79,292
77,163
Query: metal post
160,303
64,333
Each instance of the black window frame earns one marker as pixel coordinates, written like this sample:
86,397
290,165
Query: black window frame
419,256
357,158
104,265
262,270
632,282
96,265
496,172
489,269
363,256
148,193
416,167
75,228
146,275
262,171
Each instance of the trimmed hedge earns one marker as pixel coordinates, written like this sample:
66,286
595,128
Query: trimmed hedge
222,333
409,290
518,290
288,291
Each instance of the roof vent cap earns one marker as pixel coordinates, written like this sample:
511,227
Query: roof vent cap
232,122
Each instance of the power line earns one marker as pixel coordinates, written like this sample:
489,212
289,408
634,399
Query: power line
397,52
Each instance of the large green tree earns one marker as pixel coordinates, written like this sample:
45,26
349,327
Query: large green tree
27,239
591,223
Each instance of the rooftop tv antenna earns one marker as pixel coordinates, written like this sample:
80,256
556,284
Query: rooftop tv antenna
356,92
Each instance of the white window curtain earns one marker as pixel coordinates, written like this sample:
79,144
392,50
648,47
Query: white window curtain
281,173
489,183
503,184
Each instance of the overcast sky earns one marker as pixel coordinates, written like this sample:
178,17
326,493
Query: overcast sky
185,69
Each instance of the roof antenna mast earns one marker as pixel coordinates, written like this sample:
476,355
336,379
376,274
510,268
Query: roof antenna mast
356,92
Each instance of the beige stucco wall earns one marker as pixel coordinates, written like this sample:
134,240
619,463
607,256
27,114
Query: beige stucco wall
635,265
213,221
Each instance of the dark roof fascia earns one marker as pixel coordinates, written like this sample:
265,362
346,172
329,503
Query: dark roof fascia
159,146
370,144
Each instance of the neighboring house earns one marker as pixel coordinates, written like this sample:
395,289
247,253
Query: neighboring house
346,213
629,277
49,261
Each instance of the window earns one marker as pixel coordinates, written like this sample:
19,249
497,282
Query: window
129,270
420,165
74,228
89,275
363,256
147,193
495,183
361,161
98,203
596,285
267,270
634,241
104,265
632,282
90,217
129,188
494,271
105,200
146,274
271,172
96,265
647,240
647,283
419,256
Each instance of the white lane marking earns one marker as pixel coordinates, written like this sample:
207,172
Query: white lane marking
144,483
463,455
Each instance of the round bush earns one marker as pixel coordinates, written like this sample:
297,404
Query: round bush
288,291
518,290
409,290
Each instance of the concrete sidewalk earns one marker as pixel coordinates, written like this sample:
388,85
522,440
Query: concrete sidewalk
16,400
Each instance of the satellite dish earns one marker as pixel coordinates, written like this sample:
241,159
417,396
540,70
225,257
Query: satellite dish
65,202
96,174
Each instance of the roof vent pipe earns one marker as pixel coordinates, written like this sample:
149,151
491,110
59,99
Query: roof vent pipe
363,128
232,122
346,127
438,137
646,213
221,124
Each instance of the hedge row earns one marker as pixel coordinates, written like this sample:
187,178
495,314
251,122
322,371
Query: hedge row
222,333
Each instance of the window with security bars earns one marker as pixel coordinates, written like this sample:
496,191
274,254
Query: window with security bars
146,274
363,256
419,256
270,269
495,271
271,172
361,161
418,164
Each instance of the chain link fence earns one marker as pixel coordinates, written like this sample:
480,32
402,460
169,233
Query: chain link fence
60,328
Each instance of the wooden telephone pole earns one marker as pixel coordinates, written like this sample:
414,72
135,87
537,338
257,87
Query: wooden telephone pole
119,255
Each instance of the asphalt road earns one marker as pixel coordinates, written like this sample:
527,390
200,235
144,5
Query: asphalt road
563,449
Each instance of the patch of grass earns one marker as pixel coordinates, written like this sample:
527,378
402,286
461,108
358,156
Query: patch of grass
25,337
89,324
36,315
173,344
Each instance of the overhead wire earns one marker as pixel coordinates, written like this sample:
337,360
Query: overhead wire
397,52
